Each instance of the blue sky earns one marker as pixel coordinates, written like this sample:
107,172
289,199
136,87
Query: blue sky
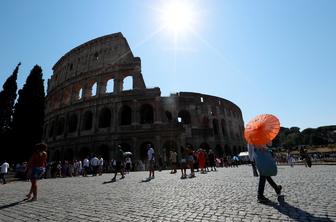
266,56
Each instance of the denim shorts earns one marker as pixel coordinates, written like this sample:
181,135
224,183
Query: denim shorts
37,173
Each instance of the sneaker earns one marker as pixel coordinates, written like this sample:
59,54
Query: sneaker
262,199
152,177
113,180
122,177
278,190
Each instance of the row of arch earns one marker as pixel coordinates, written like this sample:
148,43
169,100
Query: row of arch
106,151
125,117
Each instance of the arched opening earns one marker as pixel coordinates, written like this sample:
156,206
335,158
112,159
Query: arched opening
169,145
126,147
143,150
80,94
87,120
219,150
205,146
69,155
52,129
223,125
185,117
227,150
215,127
146,114
57,156
125,115
169,116
127,83
73,121
205,122
94,89
104,118
60,126
84,153
103,150
109,86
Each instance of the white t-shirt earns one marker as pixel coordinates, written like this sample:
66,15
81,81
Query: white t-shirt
4,167
86,163
150,154
101,161
94,161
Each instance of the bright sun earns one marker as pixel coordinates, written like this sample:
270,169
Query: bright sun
177,16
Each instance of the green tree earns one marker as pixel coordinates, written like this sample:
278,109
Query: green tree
29,114
7,99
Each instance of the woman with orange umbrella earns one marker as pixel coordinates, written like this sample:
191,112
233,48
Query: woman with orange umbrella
259,133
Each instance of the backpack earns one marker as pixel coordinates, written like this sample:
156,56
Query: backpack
265,163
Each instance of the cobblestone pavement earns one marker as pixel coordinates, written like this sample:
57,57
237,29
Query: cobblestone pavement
226,195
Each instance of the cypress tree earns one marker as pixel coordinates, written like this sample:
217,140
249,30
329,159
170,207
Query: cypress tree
7,99
28,115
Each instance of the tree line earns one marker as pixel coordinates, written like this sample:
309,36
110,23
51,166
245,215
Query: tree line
21,115
293,137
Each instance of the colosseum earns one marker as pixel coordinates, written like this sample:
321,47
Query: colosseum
97,98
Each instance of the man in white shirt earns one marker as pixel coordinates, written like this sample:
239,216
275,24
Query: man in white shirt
151,161
95,164
4,171
86,166
101,165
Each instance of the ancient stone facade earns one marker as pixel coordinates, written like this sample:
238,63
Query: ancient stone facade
89,110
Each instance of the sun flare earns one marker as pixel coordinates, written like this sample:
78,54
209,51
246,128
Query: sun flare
177,16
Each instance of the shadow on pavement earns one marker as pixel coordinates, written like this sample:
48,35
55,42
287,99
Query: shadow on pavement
13,204
294,213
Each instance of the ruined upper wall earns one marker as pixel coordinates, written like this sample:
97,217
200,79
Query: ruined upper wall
97,55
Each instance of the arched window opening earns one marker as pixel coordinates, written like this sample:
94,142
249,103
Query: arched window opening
109,86
52,128
127,83
94,89
185,117
146,114
205,122
87,120
73,123
104,118
223,125
80,93
60,126
125,115
215,127
169,116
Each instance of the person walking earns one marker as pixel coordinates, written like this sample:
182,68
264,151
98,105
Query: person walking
36,168
261,153
119,164
201,160
151,161
184,163
4,171
190,160
259,133
95,165
212,162
101,165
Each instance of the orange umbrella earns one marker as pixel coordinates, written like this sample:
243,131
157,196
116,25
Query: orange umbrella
262,129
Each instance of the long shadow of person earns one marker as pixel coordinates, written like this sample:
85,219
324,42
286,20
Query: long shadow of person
13,204
294,212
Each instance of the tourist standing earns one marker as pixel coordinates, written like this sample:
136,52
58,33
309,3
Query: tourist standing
184,163
4,171
86,166
201,160
151,161
36,168
101,165
190,160
119,163
128,163
173,161
95,164
212,162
